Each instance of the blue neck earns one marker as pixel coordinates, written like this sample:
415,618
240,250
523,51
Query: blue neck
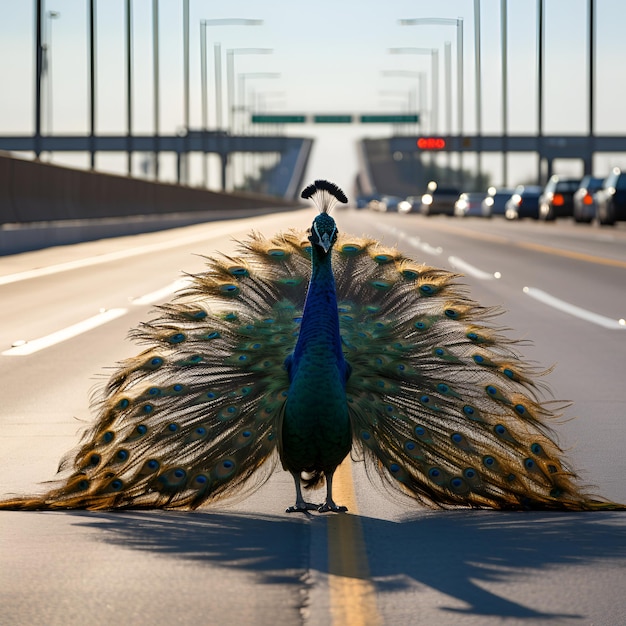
319,331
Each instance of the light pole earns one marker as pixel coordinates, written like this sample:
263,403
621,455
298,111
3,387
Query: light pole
243,102
230,77
242,86
230,83
458,23
540,71
229,21
203,60
447,55
479,99
434,55
92,84
407,97
505,90
129,86
47,66
421,87
155,83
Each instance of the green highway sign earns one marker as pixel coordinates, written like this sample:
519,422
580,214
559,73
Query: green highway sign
333,119
390,119
278,119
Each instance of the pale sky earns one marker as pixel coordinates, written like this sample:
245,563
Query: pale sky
331,57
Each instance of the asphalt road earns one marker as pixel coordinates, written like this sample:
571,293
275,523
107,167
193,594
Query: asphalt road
563,288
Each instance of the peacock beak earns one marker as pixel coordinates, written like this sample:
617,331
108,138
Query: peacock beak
325,242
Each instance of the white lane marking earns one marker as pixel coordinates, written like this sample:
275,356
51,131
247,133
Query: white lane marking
160,294
574,310
35,345
416,242
470,270
455,261
175,242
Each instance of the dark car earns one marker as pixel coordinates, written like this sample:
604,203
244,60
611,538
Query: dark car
495,201
557,199
523,203
470,205
611,198
584,199
439,200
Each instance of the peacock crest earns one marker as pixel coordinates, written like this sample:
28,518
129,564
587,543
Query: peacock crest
302,349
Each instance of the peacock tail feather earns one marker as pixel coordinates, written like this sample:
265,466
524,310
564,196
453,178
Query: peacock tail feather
441,406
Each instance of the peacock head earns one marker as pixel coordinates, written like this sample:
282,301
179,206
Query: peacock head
325,195
323,232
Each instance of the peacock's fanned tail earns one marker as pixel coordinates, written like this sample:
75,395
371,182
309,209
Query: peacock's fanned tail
196,416
441,405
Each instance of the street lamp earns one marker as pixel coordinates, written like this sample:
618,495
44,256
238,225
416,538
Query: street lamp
434,54
242,84
421,86
203,60
458,22
47,66
407,97
229,21
242,98
230,76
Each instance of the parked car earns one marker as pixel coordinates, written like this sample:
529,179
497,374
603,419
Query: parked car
611,198
557,199
439,200
584,199
495,201
523,203
470,205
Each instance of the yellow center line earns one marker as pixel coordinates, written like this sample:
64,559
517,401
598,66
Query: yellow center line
580,256
352,594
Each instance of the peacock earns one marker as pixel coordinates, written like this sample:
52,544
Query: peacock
306,348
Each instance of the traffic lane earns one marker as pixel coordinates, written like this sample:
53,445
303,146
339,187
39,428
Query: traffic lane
153,567
237,560
288,481
475,568
45,303
562,234
48,391
588,358
47,396
591,285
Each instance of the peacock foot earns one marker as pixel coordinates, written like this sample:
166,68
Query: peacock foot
331,506
302,507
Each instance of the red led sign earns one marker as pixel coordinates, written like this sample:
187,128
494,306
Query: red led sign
431,143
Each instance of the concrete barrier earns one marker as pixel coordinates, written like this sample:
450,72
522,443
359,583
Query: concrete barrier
7,208
43,205
32,191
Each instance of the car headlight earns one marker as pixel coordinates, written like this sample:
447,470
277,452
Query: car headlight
427,199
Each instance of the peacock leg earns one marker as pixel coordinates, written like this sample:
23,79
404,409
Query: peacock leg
300,505
330,505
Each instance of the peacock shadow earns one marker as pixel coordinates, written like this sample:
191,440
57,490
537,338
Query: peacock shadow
453,552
